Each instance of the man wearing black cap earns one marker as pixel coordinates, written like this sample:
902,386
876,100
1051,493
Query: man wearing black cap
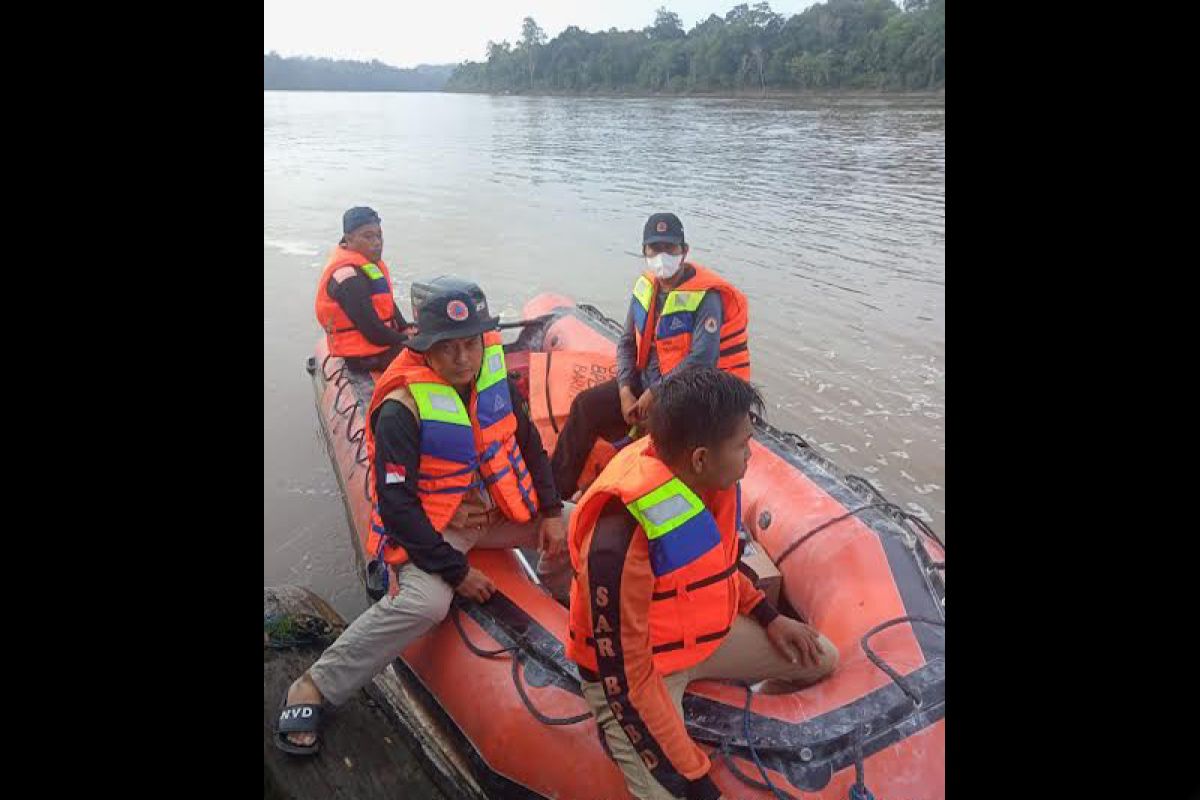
456,464
354,296
681,314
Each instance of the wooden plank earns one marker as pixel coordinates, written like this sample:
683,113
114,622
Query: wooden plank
363,754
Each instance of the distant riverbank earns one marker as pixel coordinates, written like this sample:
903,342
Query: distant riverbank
741,94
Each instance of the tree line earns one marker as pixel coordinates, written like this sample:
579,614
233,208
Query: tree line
325,74
838,44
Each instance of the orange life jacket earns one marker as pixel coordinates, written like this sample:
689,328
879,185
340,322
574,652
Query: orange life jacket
693,554
670,328
456,442
344,338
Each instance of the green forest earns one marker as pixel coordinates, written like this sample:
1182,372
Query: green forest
835,45
325,74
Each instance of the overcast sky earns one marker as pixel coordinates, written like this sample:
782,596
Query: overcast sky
405,33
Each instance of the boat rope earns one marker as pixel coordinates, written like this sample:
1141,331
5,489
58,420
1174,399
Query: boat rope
766,783
879,662
879,502
864,485
341,379
514,651
791,548
859,790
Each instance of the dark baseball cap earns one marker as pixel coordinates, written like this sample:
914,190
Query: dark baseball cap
448,308
663,228
358,216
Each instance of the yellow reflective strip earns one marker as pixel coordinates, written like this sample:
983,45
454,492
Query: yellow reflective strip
493,370
439,403
666,508
643,292
683,301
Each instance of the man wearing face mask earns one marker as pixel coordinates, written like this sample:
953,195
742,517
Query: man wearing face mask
682,314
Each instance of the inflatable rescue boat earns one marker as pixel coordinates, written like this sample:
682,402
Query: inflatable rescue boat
867,574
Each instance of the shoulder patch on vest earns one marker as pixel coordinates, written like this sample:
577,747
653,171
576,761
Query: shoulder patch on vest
344,273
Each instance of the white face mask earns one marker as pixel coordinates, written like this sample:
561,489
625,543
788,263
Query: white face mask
664,265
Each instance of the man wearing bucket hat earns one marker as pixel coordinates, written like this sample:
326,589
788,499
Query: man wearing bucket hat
456,464
682,314
354,296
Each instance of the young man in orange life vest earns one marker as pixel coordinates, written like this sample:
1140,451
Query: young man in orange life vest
658,599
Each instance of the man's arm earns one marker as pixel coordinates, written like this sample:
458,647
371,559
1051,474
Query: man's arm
397,460
627,372
353,293
706,333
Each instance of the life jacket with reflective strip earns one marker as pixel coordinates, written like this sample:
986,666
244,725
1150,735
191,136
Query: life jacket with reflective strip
344,338
693,554
669,329
456,443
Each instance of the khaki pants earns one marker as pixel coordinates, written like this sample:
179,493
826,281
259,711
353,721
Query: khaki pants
746,654
381,632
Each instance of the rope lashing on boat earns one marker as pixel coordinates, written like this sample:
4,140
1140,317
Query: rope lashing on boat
514,650
859,790
865,485
341,379
766,783
796,544
881,503
879,662
331,376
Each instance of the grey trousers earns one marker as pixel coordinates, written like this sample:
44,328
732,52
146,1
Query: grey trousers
381,632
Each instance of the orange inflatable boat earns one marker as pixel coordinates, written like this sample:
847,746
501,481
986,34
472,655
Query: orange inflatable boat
868,575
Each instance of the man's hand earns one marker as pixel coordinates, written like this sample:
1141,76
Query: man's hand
641,411
552,537
476,586
798,642
628,402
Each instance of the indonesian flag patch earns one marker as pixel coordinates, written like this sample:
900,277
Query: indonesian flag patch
394,473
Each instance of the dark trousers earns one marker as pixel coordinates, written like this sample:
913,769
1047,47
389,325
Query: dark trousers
594,412
379,361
